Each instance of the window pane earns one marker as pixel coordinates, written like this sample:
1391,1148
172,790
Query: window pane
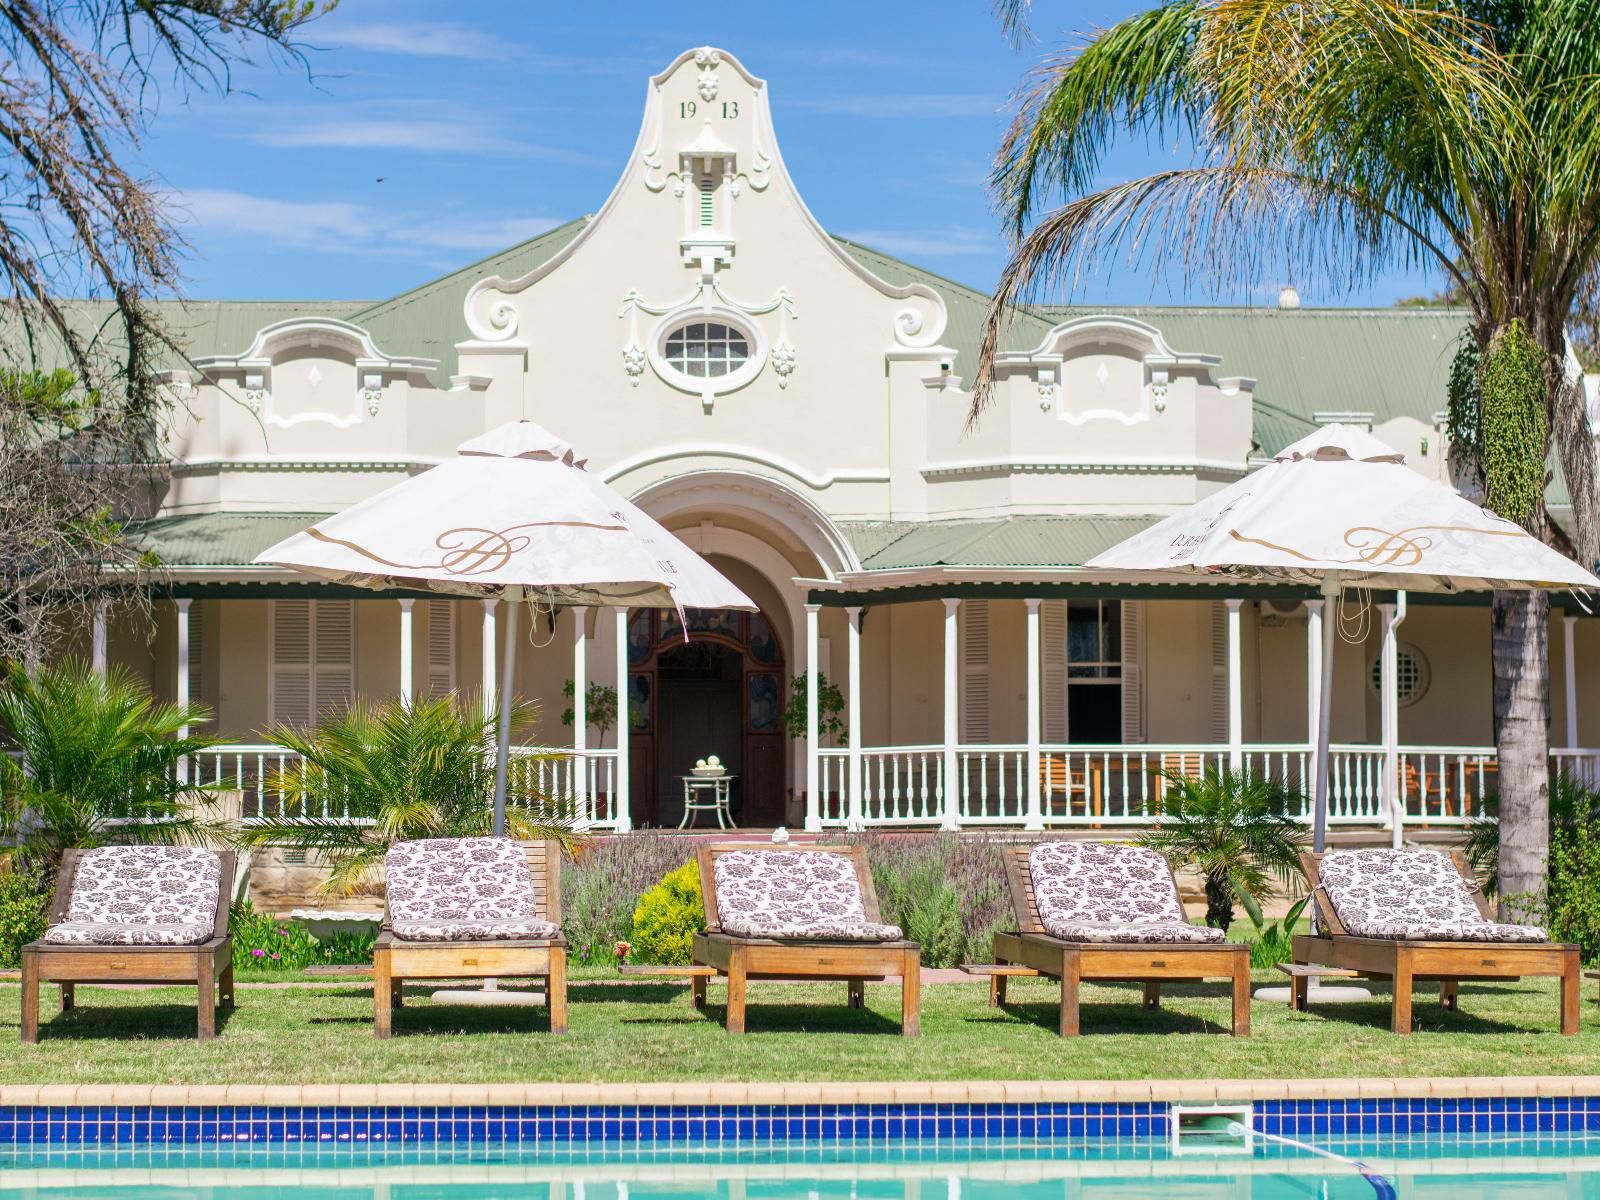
706,349
1083,631
1111,625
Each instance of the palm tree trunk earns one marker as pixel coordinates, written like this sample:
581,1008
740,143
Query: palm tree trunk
1522,740
1219,903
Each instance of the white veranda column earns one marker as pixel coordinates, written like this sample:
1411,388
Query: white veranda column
1235,689
857,804
1569,676
813,783
181,683
1313,691
97,642
952,720
1035,813
623,816
580,711
1392,795
488,656
406,647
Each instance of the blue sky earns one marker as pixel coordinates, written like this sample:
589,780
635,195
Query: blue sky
430,135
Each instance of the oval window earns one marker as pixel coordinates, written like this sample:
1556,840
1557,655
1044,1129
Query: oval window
706,349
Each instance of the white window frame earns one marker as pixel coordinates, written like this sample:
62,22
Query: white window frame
707,386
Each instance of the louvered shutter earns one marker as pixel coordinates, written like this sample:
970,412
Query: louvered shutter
334,655
975,672
1219,672
289,699
197,649
1132,671
1053,648
707,186
441,648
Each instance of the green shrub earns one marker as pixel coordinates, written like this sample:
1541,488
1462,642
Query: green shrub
264,943
1574,888
927,908
668,917
601,886
947,892
24,912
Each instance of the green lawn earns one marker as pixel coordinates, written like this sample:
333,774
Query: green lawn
647,1032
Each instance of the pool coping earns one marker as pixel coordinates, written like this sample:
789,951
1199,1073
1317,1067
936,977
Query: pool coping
794,1093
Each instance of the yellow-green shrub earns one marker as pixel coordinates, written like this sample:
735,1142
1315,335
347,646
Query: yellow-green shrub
668,916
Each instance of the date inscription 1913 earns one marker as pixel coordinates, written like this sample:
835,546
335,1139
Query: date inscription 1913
691,108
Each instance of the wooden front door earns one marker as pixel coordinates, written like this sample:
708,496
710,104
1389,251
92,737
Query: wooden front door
721,693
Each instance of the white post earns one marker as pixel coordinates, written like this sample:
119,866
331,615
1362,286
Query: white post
1332,584
1569,663
97,644
952,720
858,815
813,762
580,711
488,656
406,648
1313,691
181,684
624,814
1035,814
1235,689
1388,724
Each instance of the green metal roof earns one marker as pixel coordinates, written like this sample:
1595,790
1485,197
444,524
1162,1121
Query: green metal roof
219,539
1008,542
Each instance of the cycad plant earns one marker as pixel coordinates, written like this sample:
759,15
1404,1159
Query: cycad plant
92,759
1236,830
378,774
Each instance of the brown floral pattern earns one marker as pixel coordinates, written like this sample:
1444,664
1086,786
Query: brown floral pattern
793,894
1101,892
141,896
1416,895
462,889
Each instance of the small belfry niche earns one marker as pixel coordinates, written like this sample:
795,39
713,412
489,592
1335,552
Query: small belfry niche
708,342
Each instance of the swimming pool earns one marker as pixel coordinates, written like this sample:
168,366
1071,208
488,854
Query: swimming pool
1462,1147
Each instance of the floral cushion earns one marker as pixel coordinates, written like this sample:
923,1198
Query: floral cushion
173,886
793,894
460,883
89,933
1410,894
533,930
1100,892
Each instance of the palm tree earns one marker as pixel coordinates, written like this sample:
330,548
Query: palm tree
96,760
1236,830
1344,137
379,774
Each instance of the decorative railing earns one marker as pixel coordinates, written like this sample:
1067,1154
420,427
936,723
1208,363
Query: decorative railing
582,782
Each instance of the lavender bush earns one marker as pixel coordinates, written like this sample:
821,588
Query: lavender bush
602,883
947,891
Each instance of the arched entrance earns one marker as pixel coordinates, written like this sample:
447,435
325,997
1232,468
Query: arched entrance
721,693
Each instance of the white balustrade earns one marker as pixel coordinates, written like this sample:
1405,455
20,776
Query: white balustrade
554,773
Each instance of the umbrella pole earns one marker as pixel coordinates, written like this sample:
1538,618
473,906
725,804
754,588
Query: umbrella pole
502,750
1331,585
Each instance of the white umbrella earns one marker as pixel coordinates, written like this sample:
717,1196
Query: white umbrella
514,512
1340,509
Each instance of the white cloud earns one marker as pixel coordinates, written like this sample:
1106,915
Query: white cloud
421,39
343,227
421,136
932,243
900,105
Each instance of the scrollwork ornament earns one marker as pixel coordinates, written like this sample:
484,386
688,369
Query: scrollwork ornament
633,362
708,85
783,362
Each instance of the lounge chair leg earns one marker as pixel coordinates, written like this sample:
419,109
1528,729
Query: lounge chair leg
225,987
1152,993
1299,993
68,996
207,999
736,983
556,989
911,995
997,986
1241,997
382,994
697,991
1071,976
397,996
1450,995
856,993
1569,994
30,998
1402,992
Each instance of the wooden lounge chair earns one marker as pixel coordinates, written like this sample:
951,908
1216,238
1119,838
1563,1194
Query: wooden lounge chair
825,926
1371,925
1131,937
136,914
470,908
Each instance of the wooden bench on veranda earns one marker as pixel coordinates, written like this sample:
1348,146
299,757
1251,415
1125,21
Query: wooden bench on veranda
1449,963
856,963
1031,951
395,960
208,964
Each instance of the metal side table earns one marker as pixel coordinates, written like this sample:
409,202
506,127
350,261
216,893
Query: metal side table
707,793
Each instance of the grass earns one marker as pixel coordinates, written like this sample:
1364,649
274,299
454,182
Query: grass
647,1032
